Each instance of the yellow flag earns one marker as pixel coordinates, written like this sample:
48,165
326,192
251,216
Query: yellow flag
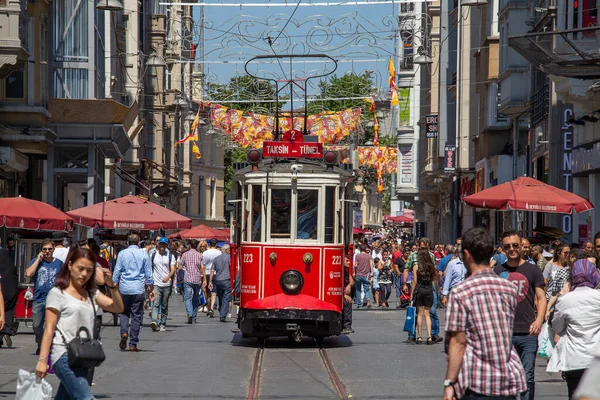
393,88
196,151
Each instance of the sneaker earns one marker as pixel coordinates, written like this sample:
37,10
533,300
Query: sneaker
162,328
153,326
229,315
211,314
8,340
347,331
133,348
123,342
223,319
189,320
436,339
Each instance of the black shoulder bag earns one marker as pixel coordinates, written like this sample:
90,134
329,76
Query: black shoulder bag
84,351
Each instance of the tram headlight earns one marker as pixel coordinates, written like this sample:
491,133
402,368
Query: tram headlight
291,282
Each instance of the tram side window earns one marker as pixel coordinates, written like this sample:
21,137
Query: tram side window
281,213
329,214
308,210
257,213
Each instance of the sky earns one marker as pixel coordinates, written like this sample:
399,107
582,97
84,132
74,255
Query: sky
360,37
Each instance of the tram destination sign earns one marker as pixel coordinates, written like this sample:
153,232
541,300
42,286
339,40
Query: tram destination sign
292,149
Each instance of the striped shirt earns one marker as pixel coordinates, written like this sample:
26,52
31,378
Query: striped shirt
191,261
483,306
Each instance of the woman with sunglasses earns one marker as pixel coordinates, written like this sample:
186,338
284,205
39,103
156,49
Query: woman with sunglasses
43,270
70,306
559,261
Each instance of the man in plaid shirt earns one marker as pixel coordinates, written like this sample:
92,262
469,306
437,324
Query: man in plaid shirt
191,261
479,323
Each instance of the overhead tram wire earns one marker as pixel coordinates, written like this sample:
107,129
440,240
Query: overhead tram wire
341,3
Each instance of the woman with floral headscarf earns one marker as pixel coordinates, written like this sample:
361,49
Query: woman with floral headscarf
577,321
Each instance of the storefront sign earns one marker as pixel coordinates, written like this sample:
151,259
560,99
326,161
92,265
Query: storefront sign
449,159
583,234
292,149
420,229
566,134
431,126
406,164
358,219
585,160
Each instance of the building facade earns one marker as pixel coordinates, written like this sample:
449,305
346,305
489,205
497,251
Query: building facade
93,100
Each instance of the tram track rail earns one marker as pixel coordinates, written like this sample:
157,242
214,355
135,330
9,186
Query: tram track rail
254,387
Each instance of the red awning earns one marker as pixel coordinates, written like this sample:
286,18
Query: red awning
399,219
356,231
129,212
202,232
528,194
23,213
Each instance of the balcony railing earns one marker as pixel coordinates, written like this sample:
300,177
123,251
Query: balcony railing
539,106
570,53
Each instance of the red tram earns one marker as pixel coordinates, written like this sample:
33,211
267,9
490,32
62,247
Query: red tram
293,227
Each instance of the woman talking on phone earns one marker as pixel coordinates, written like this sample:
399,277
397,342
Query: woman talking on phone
71,306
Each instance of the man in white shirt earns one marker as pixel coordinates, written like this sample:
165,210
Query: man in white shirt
163,269
208,257
60,251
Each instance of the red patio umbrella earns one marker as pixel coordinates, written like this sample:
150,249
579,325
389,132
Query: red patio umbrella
356,231
399,219
129,212
22,213
528,194
202,232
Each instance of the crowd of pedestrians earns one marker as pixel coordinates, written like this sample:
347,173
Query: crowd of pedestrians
73,283
500,296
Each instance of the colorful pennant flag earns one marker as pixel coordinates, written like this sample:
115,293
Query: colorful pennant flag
393,87
196,151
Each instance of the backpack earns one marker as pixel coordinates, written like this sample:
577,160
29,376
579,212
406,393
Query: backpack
154,255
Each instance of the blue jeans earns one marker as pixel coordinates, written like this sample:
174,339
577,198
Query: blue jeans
435,320
191,295
134,311
527,347
161,304
223,289
362,281
38,309
397,280
73,382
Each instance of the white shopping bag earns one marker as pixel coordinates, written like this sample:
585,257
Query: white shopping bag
31,387
545,341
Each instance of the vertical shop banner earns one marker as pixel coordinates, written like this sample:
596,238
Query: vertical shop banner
566,168
406,163
420,230
404,107
358,219
449,159
431,126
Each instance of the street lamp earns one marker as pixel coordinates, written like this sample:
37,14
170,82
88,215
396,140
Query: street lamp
109,5
180,102
473,3
155,61
423,58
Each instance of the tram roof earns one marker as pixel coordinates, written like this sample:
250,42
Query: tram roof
283,166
